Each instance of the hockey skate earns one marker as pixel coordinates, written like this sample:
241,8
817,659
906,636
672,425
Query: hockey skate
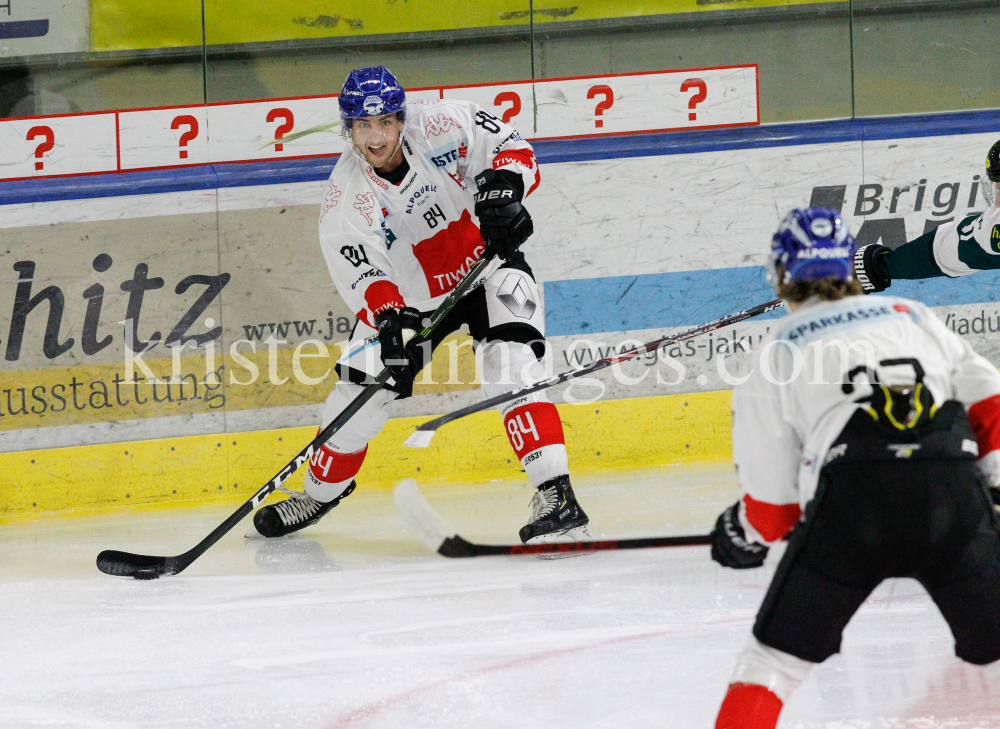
296,512
556,516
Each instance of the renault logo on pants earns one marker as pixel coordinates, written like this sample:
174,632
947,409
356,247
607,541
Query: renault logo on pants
515,297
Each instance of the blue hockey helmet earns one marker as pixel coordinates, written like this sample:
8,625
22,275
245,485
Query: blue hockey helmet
811,244
370,92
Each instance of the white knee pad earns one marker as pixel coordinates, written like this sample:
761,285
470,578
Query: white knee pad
775,670
364,425
506,366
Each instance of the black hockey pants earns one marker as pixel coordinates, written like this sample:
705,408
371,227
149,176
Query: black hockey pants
886,509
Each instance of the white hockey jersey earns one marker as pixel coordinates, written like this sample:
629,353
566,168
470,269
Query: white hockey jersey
968,245
389,246
791,408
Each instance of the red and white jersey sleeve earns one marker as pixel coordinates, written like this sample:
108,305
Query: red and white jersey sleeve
389,245
497,145
792,406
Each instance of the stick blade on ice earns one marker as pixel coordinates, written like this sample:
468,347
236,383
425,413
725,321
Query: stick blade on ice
126,564
420,439
419,516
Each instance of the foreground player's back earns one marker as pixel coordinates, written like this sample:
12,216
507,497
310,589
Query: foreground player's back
830,358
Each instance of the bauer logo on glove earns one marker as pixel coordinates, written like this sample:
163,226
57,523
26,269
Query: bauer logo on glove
503,221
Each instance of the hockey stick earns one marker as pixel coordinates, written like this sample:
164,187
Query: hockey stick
437,534
424,433
146,567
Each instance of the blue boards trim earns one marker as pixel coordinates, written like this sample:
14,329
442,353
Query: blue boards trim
548,151
586,307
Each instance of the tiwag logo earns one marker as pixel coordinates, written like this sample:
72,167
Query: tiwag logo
448,255
27,300
439,124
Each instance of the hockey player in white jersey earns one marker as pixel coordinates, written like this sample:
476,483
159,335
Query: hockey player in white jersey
430,187
955,249
856,434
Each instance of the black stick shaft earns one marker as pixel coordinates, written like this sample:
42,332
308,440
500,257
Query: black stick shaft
432,425
123,563
458,547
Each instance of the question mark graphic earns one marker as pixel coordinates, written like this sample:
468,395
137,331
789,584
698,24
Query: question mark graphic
695,83
609,99
514,99
192,124
47,145
281,131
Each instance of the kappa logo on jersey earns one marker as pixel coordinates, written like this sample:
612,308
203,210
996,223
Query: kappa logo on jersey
419,197
330,201
365,204
439,124
463,151
375,178
995,239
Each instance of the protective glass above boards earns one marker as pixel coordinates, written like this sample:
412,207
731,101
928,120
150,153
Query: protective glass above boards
293,48
73,56
920,56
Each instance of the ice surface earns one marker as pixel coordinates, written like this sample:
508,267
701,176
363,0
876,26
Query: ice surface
354,623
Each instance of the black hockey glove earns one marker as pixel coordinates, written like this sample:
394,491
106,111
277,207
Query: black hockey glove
503,221
870,269
401,350
730,547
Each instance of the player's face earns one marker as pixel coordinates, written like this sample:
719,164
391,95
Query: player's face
377,138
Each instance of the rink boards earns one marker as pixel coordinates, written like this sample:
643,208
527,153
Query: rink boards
634,237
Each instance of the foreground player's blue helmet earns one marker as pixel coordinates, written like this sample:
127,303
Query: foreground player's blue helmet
370,92
811,244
